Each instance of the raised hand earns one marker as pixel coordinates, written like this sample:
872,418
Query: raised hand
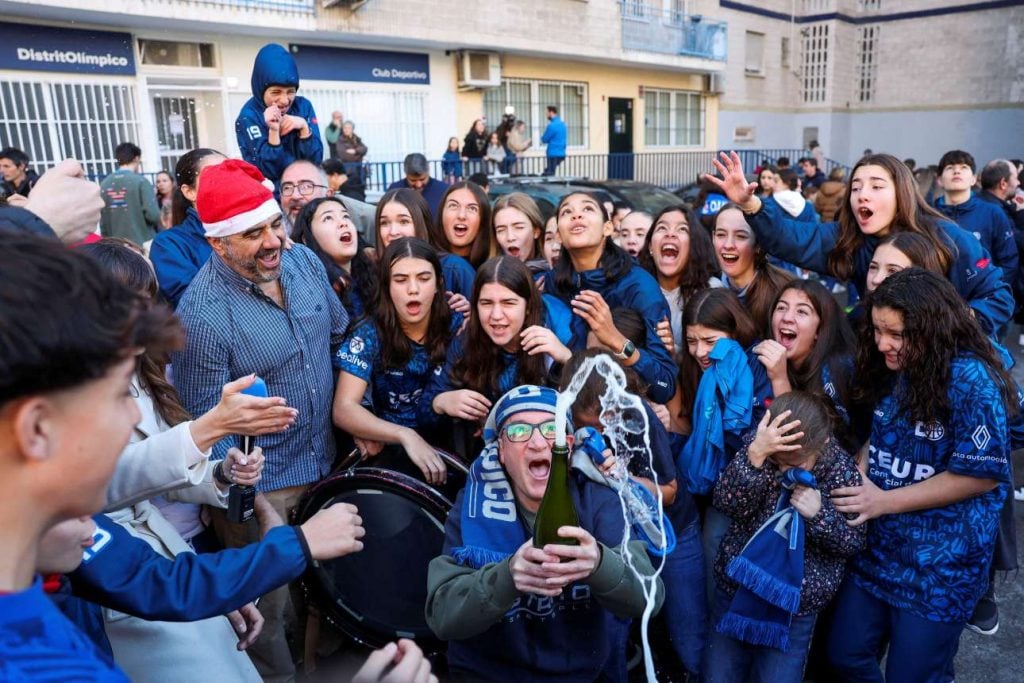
773,436
733,182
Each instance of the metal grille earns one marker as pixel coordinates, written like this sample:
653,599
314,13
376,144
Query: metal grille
53,121
812,6
176,128
673,118
530,99
391,123
814,63
869,5
867,62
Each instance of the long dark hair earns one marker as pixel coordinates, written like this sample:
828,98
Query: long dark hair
186,171
919,250
481,365
362,275
422,221
480,250
615,261
834,348
937,327
768,280
701,264
717,309
912,215
133,271
395,346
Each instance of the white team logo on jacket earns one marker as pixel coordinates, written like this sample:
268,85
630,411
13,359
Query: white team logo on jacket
933,431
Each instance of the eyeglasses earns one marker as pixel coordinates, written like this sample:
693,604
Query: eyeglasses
517,432
305,188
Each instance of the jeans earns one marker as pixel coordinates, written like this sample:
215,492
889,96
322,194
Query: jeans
919,650
685,607
553,164
727,660
715,525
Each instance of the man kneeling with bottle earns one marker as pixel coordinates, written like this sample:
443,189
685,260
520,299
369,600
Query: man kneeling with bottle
513,611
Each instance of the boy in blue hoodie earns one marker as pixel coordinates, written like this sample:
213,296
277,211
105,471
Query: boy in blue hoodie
985,221
276,126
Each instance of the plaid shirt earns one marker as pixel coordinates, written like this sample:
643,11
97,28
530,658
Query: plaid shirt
233,329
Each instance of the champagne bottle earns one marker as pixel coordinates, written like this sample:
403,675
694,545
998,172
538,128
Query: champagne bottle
556,507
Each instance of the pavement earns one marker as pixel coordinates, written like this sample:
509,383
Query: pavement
993,659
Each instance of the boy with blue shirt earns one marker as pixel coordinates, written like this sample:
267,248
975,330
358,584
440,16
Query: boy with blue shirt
276,126
66,413
986,222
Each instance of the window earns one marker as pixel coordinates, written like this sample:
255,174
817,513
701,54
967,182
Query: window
391,123
531,98
673,118
754,63
53,121
814,63
869,5
784,50
867,62
813,6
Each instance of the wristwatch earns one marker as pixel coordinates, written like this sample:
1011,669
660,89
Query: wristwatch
627,350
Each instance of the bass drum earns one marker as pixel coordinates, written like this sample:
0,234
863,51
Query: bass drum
378,594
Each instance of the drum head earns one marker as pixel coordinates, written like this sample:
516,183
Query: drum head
379,593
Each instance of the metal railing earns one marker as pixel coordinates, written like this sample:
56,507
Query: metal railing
653,29
299,7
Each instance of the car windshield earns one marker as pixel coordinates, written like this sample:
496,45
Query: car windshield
649,198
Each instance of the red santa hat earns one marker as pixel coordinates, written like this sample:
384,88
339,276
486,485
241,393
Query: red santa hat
234,197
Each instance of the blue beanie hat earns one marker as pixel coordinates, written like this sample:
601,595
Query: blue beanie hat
519,400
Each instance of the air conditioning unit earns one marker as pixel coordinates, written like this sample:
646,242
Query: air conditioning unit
479,70
714,83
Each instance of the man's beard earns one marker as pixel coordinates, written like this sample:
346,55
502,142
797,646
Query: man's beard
250,268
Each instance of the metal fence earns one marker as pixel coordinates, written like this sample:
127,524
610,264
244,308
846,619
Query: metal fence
297,7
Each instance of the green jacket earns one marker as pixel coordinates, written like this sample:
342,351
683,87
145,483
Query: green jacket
131,210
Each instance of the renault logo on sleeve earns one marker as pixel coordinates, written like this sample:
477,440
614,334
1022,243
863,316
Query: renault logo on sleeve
981,437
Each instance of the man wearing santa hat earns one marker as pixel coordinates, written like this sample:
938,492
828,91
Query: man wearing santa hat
256,307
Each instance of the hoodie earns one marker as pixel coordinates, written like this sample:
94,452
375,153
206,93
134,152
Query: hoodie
793,203
991,226
275,66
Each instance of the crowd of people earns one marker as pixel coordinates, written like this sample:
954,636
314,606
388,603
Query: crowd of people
810,402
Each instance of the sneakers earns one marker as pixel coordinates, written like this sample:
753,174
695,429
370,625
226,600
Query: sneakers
985,619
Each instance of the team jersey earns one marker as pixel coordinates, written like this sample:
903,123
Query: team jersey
934,563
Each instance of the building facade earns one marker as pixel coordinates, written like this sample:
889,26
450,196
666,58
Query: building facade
77,78
910,77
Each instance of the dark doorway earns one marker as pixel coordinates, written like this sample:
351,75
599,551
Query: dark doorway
620,138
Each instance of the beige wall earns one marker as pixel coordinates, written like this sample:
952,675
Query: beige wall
602,82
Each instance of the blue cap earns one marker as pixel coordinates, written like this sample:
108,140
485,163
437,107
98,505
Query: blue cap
519,400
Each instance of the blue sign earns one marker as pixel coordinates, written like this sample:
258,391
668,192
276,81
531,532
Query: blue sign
320,63
71,50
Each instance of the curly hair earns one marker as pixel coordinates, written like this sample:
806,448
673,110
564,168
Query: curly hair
937,328
481,365
701,264
395,346
912,215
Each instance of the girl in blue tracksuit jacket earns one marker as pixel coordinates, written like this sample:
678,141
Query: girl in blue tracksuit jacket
276,126
883,199
593,276
506,343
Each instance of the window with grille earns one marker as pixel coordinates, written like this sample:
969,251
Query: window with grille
391,123
673,118
531,99
814,63
754,57
869,5
814,6
867,62
52,121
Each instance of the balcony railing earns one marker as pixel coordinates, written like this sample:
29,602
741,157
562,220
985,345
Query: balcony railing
653,29
298,7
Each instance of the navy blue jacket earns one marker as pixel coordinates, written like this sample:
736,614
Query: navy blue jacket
1016,217
275,66
972,273
639,291
433,192
178,254
124,573
992,228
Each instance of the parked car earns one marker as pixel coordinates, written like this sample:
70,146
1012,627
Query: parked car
548,191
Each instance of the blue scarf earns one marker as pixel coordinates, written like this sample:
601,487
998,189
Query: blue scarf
491,530
770,571
724,397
